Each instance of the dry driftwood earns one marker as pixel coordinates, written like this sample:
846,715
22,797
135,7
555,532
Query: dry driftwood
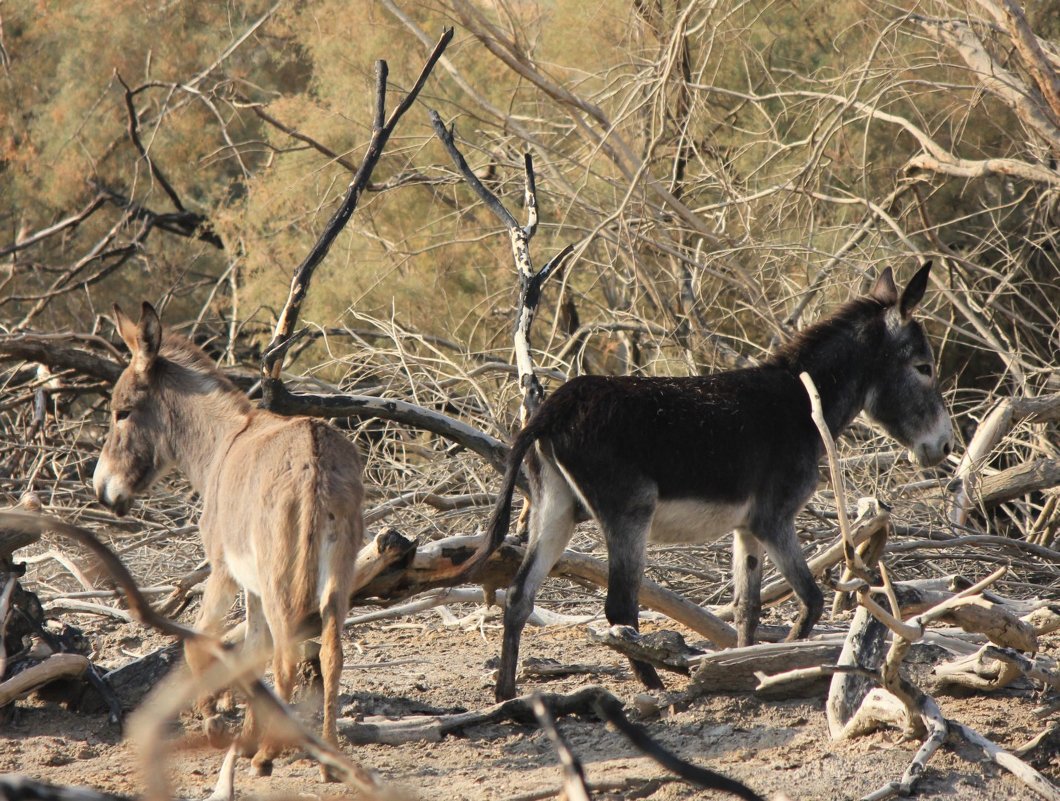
736,669
1001,419
1009,761
664,649
1044,620
440,557
992,668
56,666
433,728
863,647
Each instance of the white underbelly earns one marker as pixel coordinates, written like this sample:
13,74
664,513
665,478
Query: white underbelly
242,566
693,521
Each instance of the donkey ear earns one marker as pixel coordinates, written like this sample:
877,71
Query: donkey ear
914,291
149,338
884,289
143,339
126,328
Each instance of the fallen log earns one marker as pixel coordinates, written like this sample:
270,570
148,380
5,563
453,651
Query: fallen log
55,667
1001,419
734,669
132,682
433,728
439,558
1019,480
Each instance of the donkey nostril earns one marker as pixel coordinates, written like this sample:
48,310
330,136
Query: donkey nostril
946,448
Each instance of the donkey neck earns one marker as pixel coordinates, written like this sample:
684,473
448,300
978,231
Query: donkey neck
839,354
203,416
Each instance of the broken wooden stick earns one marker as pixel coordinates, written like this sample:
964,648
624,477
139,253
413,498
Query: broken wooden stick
1010,762
382,128
850,556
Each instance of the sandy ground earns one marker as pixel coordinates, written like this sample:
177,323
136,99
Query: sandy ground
418,665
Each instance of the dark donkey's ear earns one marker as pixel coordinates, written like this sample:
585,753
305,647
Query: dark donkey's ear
914,291
143,339
884,289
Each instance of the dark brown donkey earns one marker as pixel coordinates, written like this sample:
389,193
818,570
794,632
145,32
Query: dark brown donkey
282,505
683,460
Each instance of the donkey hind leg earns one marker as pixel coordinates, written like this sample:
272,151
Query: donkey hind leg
626,531
747,589
332,615
551,527
284,671
217,598
786,554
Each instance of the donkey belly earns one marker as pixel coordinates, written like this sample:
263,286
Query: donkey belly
243,567
695,521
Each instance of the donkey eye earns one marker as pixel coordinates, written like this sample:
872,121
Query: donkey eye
122,414
924,369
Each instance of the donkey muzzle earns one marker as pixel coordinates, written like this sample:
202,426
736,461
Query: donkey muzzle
110,492
931,453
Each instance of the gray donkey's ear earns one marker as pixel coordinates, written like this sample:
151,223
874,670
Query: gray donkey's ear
884,289
914,291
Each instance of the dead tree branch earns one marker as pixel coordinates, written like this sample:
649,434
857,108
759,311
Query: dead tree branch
383,127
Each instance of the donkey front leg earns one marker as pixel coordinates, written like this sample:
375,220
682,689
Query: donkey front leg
747,585
551,527
786,554
217,598
257,642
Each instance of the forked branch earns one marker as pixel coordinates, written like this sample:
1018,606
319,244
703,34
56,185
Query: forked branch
382,128
530,281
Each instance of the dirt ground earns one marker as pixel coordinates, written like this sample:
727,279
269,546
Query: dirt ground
419,665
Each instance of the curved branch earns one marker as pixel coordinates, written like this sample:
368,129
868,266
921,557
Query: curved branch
489,448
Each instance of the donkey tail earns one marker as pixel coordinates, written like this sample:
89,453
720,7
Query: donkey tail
500,519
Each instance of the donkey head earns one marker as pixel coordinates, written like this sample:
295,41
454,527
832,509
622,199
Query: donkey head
135,454
904,396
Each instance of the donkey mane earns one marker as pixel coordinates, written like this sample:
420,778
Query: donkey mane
182,352
844,322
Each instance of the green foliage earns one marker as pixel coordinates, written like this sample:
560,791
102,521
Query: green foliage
760,118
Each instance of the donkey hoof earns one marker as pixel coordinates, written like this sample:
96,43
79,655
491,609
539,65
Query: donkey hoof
261,767
214,729
327,775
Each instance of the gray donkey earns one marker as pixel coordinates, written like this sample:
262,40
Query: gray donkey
686,460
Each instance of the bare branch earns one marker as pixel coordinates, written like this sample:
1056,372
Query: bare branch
273,362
